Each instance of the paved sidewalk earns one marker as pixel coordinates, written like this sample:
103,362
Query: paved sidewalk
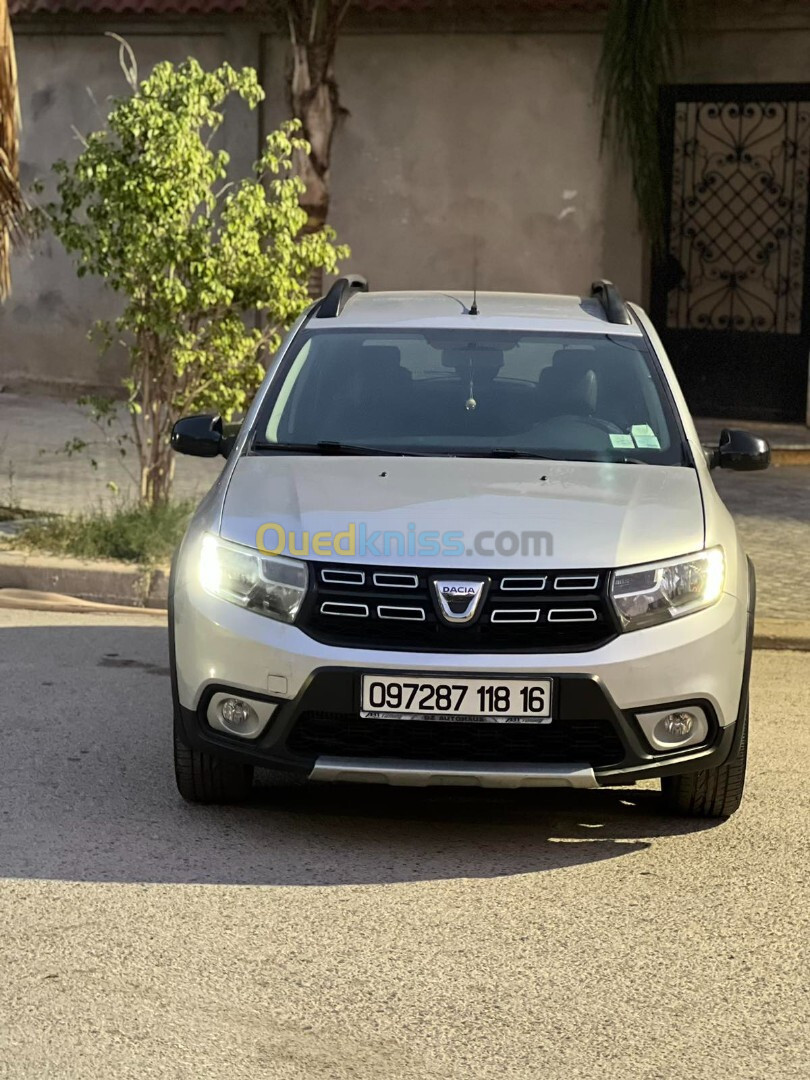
772,508
36,475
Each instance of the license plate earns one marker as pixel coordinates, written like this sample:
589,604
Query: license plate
486,701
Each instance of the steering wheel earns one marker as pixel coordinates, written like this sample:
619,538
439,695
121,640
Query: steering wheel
607,426
604,425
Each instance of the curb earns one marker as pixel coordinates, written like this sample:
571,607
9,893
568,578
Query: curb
782,634
790,455
31,600
100,582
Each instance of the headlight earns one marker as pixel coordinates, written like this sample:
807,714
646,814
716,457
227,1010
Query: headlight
655,593
266,584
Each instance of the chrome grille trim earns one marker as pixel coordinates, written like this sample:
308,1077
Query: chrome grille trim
333,607
515,615
396,581
342,612
517,584
406,614
558,615
581,581
343,577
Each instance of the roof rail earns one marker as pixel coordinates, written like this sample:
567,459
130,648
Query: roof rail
340,293
612,302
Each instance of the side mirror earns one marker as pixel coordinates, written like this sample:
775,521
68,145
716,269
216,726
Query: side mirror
740,450
200,436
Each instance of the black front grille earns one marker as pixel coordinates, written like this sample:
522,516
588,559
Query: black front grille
384,607
348,735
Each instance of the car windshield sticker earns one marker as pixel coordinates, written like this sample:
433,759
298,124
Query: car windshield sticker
623,441
645,437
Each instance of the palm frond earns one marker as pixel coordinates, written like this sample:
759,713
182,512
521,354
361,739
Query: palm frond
12,204
641,46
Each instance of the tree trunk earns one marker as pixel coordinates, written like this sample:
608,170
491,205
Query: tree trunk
156,454
152,427
157,476
314,100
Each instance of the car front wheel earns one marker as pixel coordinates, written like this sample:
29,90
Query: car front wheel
203,778
710,793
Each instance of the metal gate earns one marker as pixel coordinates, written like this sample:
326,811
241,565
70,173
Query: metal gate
732,296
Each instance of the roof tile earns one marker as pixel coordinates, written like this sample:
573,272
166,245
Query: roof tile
239,7
130,7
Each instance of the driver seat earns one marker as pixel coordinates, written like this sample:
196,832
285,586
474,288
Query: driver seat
567,391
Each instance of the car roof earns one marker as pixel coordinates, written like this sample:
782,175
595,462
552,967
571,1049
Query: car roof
497,311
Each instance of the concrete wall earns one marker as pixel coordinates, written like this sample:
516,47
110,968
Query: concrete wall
65,83
492,137
749,54
449,138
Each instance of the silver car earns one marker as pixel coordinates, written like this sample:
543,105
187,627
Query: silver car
465,540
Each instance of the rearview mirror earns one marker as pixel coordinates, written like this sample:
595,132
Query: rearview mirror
200,436
740,450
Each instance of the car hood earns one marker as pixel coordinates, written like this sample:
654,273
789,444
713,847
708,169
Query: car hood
464,512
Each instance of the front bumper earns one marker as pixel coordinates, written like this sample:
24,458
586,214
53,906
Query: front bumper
590,742
699,660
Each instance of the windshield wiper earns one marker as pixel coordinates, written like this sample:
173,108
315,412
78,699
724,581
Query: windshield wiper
327,448
509,452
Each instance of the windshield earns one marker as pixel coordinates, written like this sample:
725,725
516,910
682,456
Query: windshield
564,396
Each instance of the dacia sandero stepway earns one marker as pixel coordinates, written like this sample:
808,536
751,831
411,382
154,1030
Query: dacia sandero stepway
465,539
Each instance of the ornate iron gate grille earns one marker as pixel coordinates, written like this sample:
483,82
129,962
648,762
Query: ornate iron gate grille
738,218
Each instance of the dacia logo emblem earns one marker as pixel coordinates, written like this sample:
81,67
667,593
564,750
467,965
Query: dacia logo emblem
458,601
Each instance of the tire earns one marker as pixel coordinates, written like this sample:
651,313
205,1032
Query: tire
203,778
710,793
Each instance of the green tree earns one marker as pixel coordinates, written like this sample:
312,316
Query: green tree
211,271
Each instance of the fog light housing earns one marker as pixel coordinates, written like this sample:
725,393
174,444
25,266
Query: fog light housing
673,729
237,715
677,726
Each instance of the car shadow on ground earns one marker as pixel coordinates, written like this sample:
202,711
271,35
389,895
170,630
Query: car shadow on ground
88,793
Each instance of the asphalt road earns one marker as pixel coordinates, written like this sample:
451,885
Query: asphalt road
367,933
